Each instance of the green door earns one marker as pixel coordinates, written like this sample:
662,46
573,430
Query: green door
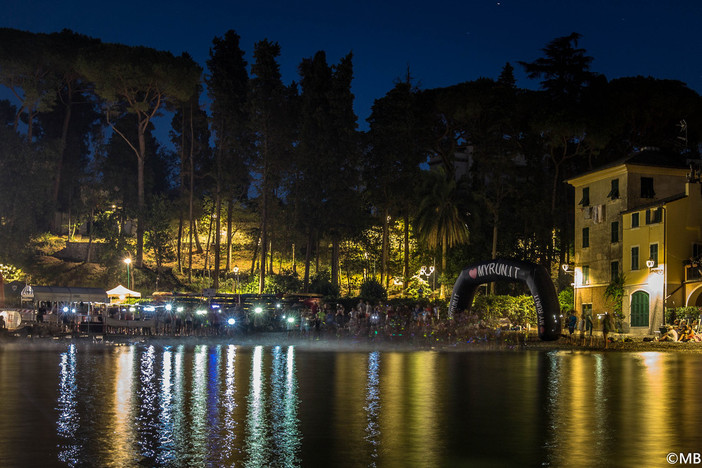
639,309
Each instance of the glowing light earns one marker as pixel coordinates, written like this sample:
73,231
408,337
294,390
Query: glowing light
179,309
149,309
201,312
291,319
169,307
258,309
65,309
231,321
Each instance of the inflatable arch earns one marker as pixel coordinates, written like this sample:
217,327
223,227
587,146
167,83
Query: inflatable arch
535,276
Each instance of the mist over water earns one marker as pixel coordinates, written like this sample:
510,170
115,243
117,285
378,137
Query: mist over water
205,403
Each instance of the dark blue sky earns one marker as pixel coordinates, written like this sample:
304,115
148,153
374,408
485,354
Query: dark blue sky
443,42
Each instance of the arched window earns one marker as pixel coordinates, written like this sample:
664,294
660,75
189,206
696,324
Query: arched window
639,309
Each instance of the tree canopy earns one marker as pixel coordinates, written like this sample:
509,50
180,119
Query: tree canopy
282,172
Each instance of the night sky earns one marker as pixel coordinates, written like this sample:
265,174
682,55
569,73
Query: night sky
442,42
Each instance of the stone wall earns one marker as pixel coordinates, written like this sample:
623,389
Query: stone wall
78,251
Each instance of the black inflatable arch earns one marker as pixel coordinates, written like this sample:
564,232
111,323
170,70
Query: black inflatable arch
535,276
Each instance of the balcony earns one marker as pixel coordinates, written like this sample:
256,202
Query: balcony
693,272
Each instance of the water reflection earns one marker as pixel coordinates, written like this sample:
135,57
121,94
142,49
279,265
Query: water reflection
213,398
372,406
229,405
225,405
166,442
147,418
120,445
256,425
595,402
69,419
284,424
197,443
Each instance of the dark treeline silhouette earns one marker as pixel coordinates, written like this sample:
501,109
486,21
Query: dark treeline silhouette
448,175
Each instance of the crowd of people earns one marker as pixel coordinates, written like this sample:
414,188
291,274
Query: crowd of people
682,330
427,323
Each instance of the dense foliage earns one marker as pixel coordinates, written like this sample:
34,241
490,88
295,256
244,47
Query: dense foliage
275,182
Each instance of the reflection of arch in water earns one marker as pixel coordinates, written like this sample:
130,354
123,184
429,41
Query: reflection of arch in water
535,276
695,297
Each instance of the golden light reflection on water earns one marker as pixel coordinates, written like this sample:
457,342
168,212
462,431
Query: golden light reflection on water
399,424
594,411
226,405
350,391
121,442
393,391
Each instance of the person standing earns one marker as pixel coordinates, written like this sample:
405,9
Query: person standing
606,326
572,321
587,321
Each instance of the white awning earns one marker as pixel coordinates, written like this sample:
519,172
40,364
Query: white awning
122,292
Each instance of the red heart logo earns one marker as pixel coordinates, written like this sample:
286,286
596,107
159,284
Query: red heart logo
473,273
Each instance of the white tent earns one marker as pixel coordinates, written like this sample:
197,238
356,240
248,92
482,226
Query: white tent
120,293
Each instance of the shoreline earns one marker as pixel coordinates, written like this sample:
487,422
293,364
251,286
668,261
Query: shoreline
354,343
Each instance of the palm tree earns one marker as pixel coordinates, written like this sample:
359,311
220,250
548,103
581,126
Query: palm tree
439,221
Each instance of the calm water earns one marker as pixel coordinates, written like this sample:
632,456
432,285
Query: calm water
226,405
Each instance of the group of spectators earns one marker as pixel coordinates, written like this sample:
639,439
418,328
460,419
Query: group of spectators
326,320
682,330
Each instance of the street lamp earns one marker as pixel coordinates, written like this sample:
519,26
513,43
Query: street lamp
128,261
236,274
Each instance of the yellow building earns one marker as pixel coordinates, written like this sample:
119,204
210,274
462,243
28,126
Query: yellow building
640,216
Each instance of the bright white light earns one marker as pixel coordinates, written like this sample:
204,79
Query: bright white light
231,321
179,309
149,309
65,309
258,309
277,306
169,307
127,261
201,312
291,319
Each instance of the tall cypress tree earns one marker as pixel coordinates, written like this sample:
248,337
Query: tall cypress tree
392,167
227,87
271,135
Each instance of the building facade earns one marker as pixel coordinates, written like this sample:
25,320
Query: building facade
640,217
